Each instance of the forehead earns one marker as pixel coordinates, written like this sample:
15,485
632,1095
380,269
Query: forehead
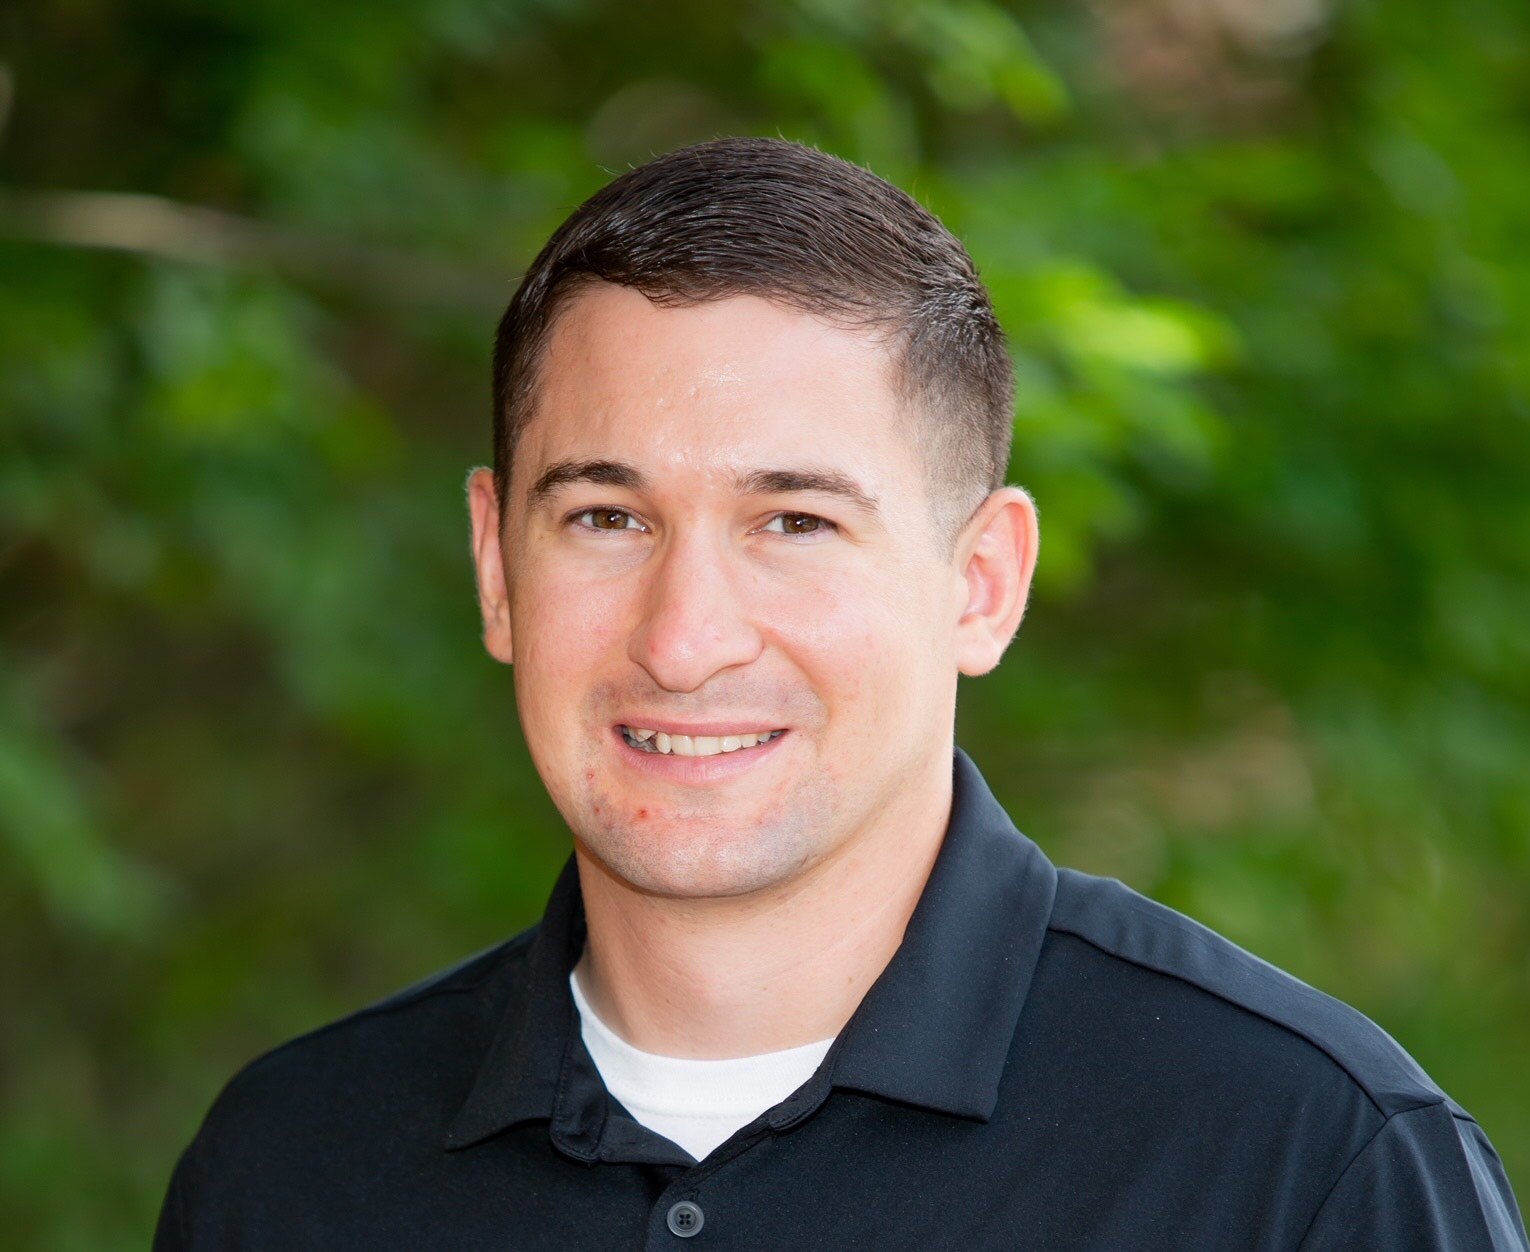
712,387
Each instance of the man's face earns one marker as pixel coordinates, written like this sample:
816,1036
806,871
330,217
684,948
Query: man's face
685,554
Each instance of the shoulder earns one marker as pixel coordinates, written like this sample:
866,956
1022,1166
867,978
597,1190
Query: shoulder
1230,999
1172,1042
420,1046
313,1116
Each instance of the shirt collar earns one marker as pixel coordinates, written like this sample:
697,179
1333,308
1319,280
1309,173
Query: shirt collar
934,1030
936,1027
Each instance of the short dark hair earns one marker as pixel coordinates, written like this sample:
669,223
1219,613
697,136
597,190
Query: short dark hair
781,220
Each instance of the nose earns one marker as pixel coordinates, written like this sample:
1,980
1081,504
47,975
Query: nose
695,616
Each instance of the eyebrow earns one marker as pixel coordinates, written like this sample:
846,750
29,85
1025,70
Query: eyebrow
561,473
829,482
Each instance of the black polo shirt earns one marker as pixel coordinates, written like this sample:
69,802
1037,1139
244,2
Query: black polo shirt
1050,1060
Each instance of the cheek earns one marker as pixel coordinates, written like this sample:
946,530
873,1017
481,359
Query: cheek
564,634
862,640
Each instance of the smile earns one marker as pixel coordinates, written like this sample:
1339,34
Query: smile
656,741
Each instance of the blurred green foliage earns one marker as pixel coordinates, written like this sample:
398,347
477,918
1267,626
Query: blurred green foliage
1261,263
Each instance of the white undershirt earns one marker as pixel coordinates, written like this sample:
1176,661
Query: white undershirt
697,1104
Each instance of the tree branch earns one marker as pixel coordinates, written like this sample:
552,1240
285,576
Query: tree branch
156,227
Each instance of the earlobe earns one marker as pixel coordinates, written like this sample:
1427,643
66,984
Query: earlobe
998,560
489,564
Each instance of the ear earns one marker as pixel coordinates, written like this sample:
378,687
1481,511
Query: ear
996,555
489,564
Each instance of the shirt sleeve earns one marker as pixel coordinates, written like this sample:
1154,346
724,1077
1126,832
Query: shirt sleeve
1428,1181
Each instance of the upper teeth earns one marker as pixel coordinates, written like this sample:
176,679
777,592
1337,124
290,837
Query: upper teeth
694,745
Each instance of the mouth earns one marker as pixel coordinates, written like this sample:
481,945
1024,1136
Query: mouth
661,743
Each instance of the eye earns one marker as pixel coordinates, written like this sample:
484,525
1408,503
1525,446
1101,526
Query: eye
605,519
799,524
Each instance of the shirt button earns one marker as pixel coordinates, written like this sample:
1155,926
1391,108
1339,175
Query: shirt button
685,1219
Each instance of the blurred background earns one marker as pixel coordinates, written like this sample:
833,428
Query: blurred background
1263,265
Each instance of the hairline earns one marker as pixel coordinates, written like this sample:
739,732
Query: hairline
913,422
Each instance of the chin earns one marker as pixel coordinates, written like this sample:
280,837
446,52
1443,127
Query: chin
691,861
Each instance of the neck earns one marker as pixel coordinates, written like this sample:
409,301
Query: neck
737,976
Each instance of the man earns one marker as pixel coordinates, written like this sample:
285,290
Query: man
802,983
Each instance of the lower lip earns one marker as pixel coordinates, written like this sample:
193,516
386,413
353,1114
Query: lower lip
696,769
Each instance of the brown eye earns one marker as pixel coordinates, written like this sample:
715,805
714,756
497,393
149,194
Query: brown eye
798,524
603,519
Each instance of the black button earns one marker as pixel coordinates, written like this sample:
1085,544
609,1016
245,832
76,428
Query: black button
685,1218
